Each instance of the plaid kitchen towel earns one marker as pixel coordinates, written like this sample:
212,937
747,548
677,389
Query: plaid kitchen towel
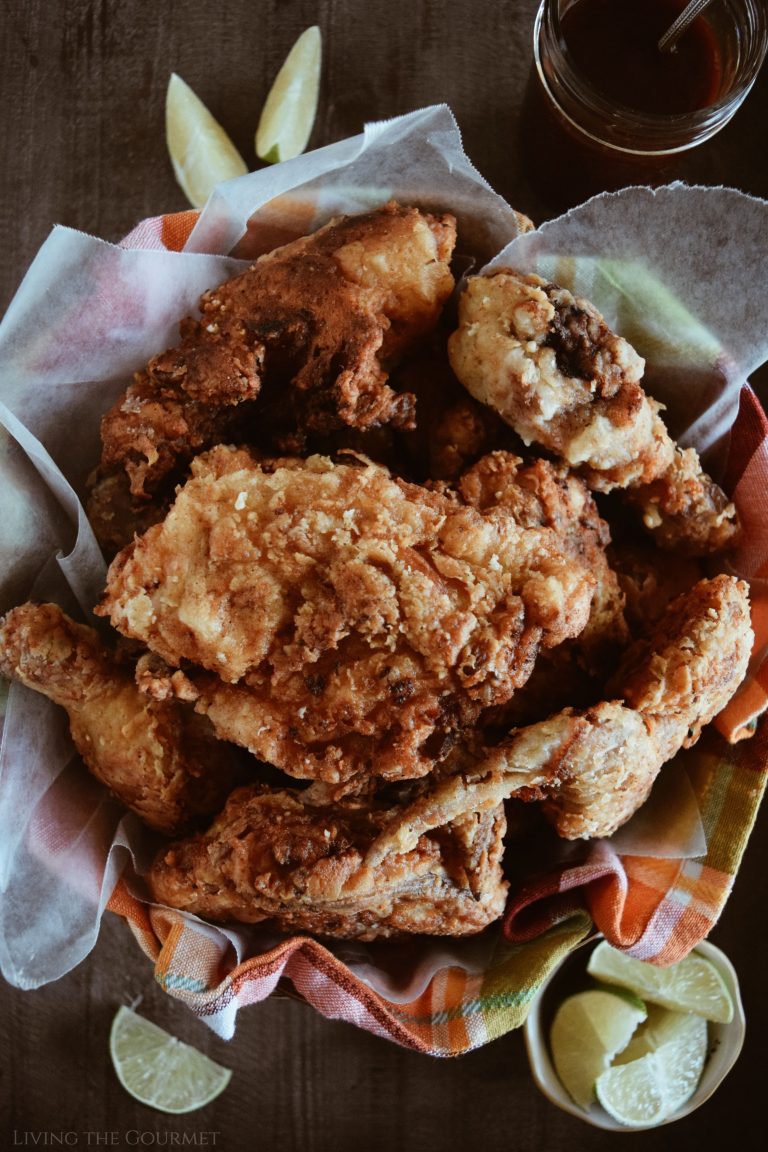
655,908
457,1011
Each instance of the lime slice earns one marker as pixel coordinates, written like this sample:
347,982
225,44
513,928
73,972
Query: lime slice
201,152
588,1031
633,1093
680,1041
658,1070
289,112
159,1070
691,985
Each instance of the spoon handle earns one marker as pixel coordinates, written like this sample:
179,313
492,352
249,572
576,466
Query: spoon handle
686,17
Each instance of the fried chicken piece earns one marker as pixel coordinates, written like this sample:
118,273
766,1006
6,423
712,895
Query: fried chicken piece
160,759
676,682
272,856
594,769
549,364
350,622
648,581
541,494
459,436
303,340
452,430
400,256
684,510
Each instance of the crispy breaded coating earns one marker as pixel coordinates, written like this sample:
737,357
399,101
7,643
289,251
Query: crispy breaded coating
349,622
554,371
676,681
549,364
272,856
400,256
690,665
187,399
594,769
452,429
541,494
649,581
684,510
159,758
317,323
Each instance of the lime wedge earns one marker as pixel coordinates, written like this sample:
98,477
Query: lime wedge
201,152
658,1070
625,994
691,985
588,1031
289,112
159,1070
633,1093
680,1041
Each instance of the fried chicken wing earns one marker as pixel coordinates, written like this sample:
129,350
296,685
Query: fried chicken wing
549,364
302,340
594,769
337,620
272,856
160,759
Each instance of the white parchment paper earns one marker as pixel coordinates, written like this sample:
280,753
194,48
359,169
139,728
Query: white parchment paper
89,313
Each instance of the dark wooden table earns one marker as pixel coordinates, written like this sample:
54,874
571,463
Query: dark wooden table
82,86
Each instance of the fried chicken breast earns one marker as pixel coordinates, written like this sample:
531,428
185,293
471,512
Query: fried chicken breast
549,365
303,340
336,620
272,856
159,758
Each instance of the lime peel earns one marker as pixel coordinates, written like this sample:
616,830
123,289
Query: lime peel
158,1069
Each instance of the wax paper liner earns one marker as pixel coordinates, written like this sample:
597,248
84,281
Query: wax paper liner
678,271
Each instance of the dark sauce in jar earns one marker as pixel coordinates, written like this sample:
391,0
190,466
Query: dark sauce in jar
604,108
613,44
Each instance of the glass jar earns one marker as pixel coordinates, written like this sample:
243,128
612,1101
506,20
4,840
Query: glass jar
608,144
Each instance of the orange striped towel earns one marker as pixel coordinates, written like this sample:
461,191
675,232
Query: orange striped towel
655,908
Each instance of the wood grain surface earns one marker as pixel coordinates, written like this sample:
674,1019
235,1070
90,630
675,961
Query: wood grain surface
82,87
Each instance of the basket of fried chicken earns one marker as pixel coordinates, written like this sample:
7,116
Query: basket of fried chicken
405,568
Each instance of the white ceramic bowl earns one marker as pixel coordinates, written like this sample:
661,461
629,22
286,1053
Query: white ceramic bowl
725,1040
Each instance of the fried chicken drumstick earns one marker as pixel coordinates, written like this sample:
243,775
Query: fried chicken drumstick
269,855
336,620
159,758
594,769
316,324
549,365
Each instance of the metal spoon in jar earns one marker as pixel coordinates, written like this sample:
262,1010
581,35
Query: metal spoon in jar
686,17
